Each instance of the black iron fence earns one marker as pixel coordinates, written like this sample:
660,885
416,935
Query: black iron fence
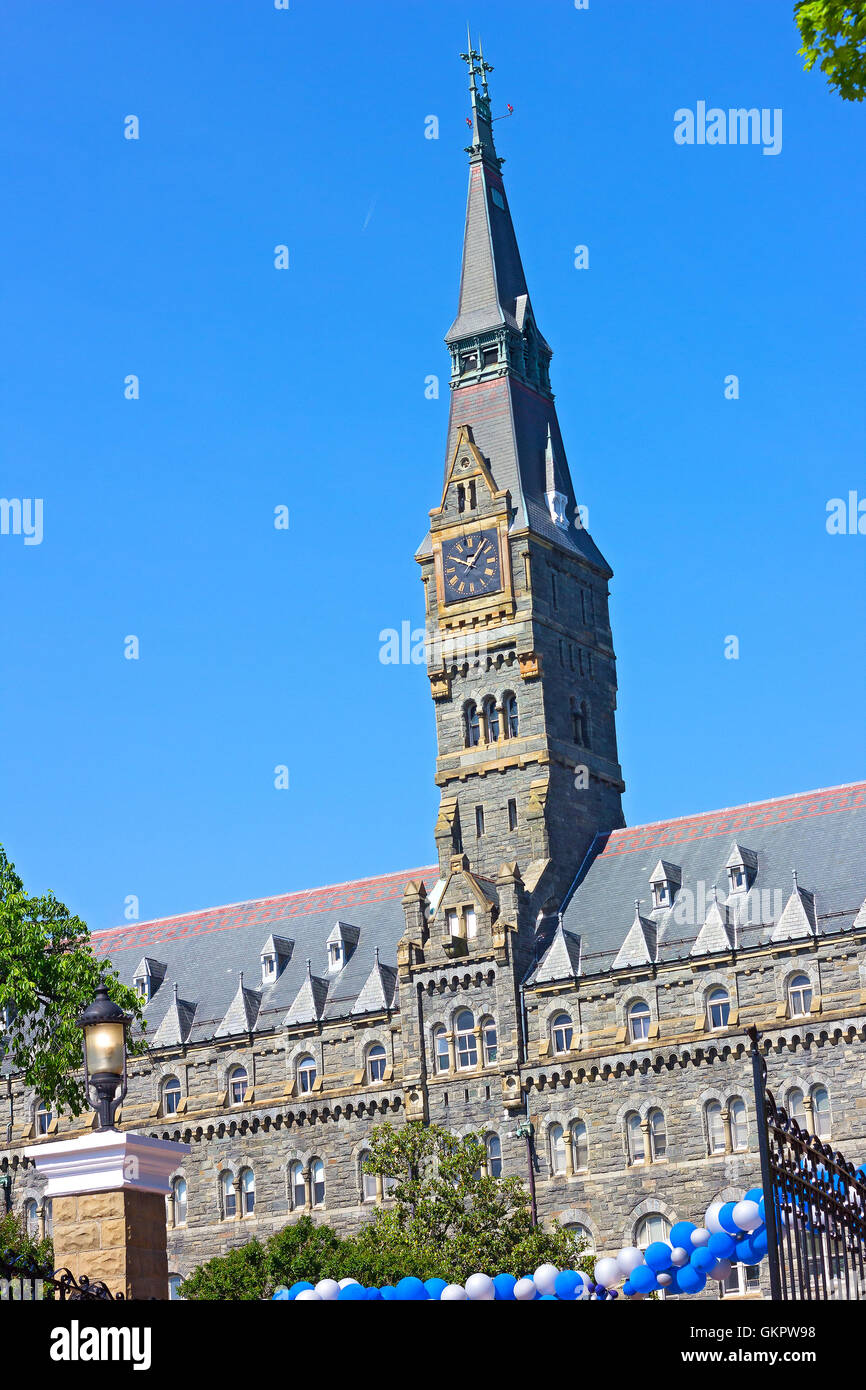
20,1280
816,1222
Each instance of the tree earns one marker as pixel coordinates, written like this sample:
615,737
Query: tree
301,1251
16,1245
48,975
834,31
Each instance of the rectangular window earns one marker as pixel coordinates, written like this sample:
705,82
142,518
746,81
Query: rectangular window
471,923
479,821
512,814
490,356
553,593
451,921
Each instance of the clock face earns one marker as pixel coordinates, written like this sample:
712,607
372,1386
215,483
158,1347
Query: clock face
470,565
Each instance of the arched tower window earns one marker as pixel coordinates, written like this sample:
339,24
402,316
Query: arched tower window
376,1063
248,1192
227,1196
467,1046
562,1031
491,720
472,724
306,1074
638,1021
170,1095
296,1186
237,1085
493,1146
509,709
718,1008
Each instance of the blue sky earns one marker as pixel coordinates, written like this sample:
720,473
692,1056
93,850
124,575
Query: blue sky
305,388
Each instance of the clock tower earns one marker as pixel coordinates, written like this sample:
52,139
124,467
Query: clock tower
520,655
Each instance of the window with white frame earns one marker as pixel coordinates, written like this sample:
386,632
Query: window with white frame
170,1095
795,1107
174,1283
493,1146
31,1219
471,923
43,1117
440,1048
306,1074
297,1187
317,1174
821,1111
579,1145
376,1061
715,1128
650,1228
634,1138
739,1124
228,1196
658,1134
718,1007
467,1045
638,1020
452,921
237,1085
368,1180
799,996
488,1038
179,1204
742,1280
584,1235
248,1192
557,1149
562,1030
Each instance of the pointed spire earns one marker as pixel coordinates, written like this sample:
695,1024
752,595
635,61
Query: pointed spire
639,947
176,1024
798,918
308,1004
242,1012
482,146
717,936
379,990
561,960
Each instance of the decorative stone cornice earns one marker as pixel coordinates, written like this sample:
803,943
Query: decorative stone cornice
107,1160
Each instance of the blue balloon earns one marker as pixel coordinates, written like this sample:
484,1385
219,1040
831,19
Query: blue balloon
703,1260
567,1284
352,1293
373,1294
503,1285
681,1234
434,1287
754,1194
658,1255
388,1292
721,1245
674,1286
643,1279
549,1298
745,1251
759,1242
628,1289
691,1280
726,1219
411,1290
280,1293
298,1288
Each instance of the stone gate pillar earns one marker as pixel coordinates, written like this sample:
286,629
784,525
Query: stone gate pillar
108,1191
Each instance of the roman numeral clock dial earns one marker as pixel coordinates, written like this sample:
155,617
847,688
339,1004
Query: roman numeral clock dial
470,565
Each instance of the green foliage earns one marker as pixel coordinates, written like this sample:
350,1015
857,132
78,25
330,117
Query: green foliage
446,1220
48,973
16,1244
834,32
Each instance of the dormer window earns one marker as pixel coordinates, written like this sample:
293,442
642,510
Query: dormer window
452,921
276,954
147,977
661,894
335,955
341,944
269,967
468,361
665,881
141,986
737,875
742,867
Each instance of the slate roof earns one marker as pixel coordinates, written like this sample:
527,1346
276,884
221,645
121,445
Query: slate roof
205,951
820,834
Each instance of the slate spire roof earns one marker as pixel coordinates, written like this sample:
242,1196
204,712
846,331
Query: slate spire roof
561,960
308,1004
717,934
798,917
176,1024
242,1012
639,947
380,987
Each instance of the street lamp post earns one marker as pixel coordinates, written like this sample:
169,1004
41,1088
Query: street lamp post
525,1131
104,1025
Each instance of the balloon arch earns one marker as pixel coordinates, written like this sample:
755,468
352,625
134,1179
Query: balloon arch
733,1232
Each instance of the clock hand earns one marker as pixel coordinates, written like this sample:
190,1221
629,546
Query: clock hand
477,553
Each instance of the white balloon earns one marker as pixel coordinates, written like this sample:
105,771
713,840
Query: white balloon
607,1272
722,1270
629,1258
545,1278
680,1256
746,1215
524,1290
700,1236
711,1220
584,1292
345,1282
452,1293
328,1289
479,1288
664,1279
309,1296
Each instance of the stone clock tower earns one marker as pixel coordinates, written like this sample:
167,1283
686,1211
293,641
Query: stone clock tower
521,662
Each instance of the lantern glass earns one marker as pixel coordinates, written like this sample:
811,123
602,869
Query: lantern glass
104,1046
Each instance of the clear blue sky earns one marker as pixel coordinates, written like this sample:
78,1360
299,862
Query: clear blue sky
306,388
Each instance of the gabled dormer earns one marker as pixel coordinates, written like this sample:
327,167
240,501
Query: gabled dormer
742,868
798,920
639,947
342,944
463,920
717,936
176,1025
378,994
308,1004
148,976
242,1012
665,882
275,955
561,960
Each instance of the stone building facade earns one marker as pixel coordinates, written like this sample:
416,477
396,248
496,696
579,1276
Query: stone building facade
551,964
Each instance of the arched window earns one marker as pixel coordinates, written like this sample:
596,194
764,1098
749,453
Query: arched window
227,1196
472,724
718,1008
580,722
237,1085
368,1180
795,1107
494,1155
658,1134
43,1117
509,710
376,1063
739,1124
563,1033
584,1235
467,1045
491,720
557,1149
306,1074
650,1228
170,1095
488,1037
48,1211
821,1112
638,1020
799,996
317,1174
178,1205
248,1192
174,1283
579,1146
31,1219
634,1138
296,1186
715,1128
440,1048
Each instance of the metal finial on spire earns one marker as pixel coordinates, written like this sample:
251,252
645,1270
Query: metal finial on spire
240,979
485,68
794,877
175,991
309,968
637,906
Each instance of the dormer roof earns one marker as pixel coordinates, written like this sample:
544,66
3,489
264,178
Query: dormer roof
798,919
561,960
242,1012
717,935
379,990
280,946
739,855
639,947
665,872
308,1004
176,1025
